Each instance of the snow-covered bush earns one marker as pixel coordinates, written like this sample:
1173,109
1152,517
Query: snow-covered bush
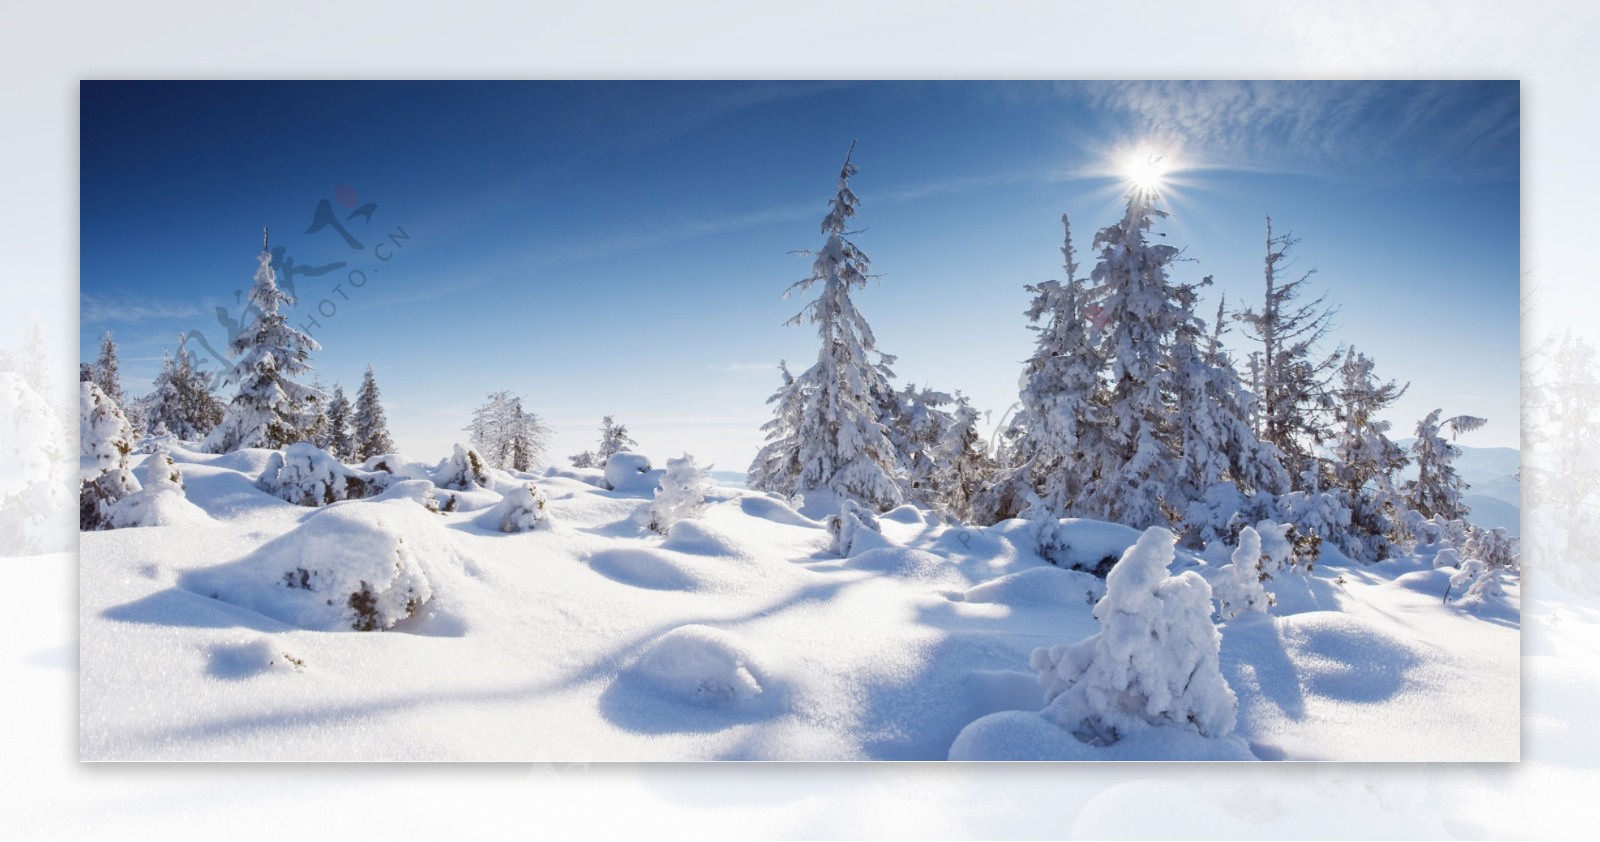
1468,573
463,470
105,441
1154,662
1317,516
307,476
364,567
523,509
846,527
1238,589
1496,547
1487,586
33,469
625,470
1285,549
162,501
682,494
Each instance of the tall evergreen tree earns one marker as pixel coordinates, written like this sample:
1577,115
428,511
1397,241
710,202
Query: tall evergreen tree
268,410
506,435
1292,374
371,427
1134,464
844,447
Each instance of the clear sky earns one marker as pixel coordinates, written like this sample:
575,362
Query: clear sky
621,248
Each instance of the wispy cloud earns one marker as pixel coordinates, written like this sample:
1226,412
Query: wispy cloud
98,309
1431,129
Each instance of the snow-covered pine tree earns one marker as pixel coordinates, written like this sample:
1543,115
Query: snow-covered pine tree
371,427
920,424
777,465
1436,492
1216,439
318,429
506,435
1292,375
586,460
341,438
105,440
962,464
1364,460
682,494
182,403
844,448
106,374
614,439
1133,465
1062,396
268,410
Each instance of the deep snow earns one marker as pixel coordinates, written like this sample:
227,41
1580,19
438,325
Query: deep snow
738,635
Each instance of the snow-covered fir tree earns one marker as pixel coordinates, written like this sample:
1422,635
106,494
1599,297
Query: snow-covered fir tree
182,404
507,435
341,434
920,423
1134,463
1364,460
586,460
371,427
614,439
105,440
777,466
106,370
962,466
1436,492
1291,375
844,447
682,494
268,410
318,430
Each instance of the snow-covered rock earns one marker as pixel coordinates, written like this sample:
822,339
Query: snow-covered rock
628,472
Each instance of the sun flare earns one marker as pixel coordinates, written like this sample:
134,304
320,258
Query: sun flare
1145,170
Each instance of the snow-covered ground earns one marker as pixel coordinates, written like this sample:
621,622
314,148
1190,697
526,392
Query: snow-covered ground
738,635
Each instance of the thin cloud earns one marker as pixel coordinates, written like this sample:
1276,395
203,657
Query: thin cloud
96,309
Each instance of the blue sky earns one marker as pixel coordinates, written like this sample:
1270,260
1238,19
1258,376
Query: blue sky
621,248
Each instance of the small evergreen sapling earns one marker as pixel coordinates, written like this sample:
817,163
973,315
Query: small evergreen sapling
683,492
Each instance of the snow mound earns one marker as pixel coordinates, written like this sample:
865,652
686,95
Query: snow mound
701,665
643,568
1040,586
364,567
248,659
904,513
157,508
693,538
308,476
772,509
1092,545
1019,735
918,565
418,491
630,472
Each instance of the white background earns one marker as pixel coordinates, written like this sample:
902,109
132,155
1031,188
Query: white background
46,48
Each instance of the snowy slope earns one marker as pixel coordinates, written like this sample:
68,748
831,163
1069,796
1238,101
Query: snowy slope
737,636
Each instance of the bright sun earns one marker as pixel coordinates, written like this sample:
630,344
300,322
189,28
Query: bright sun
1145,170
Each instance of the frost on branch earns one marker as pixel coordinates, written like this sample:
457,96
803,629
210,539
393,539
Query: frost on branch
1154,662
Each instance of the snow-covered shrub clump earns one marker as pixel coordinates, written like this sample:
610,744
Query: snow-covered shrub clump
307,476
523,509
682,494
462,471
161,502
105,441
701,665
847,527
1239,589
1154,662
33,478
364,567
626,471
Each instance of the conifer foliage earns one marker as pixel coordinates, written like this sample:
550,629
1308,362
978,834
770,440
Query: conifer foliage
839,442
